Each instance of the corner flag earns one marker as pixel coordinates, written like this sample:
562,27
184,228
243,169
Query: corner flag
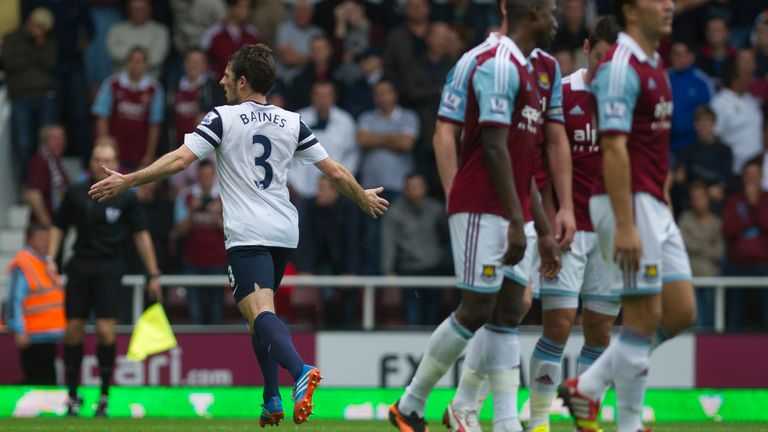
151,335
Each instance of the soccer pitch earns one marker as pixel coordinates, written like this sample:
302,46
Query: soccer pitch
221,425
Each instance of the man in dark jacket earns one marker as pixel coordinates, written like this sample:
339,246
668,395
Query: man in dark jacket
28,56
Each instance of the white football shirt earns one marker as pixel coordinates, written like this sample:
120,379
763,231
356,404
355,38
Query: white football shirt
254,146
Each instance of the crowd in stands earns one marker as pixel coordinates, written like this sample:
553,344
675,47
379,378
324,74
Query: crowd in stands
366,76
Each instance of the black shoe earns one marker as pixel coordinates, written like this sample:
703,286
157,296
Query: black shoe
73,406
101,408
410,423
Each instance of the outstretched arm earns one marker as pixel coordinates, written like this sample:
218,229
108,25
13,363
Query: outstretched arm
166,166
367,199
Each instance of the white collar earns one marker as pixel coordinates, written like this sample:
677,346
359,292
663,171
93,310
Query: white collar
577,80
631,44
142,85
513,48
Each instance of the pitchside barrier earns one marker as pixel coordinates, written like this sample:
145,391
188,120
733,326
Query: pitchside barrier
369,285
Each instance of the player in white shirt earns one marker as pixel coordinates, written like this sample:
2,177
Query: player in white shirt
255,144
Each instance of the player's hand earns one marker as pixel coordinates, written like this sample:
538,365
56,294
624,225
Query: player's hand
155,291
549,251
627,249
110,187
516,244
565,228
373,205
21,340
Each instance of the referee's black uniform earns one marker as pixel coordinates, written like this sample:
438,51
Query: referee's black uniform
96,269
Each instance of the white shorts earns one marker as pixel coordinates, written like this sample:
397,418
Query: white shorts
664,256
582,272
478,243
522,271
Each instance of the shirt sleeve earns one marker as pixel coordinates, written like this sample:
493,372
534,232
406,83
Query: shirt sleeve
309,150
616,88
453,100
102,106
555,109
496,91
156,109
18,291
207,135
137,218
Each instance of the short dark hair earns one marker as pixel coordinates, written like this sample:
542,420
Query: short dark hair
618,11
204,163
34,228
605,29
231,3
324,83
257,64
135,49
696,184
690,46
756,161
704,111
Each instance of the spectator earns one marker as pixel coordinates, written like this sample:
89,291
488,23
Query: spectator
28,57
743,13
329,244
691,88
73,30
35,309
413,243
294,39
139,30
473,16
130,107
387,135
319,68
739,117
198,93
353,29
200,221
359,79
746,239
192,18
572,30
708,160
46,177
333,127
703,237
267,16
421,92
408,41
717,52
224,38
760,38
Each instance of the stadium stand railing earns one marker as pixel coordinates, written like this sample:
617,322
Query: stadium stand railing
369,285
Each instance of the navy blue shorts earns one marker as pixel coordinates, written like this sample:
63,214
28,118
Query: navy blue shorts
256,265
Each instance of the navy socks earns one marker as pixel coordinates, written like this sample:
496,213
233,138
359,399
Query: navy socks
276,341
268,367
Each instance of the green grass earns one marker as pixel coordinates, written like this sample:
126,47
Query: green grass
234,425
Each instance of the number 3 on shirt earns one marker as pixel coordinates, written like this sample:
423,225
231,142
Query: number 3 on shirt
261,161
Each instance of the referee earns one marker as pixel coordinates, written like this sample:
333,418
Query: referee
96,270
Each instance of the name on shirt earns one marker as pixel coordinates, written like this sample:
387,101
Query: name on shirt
263,117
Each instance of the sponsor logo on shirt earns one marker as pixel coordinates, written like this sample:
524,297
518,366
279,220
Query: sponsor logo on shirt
532,118
663,113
